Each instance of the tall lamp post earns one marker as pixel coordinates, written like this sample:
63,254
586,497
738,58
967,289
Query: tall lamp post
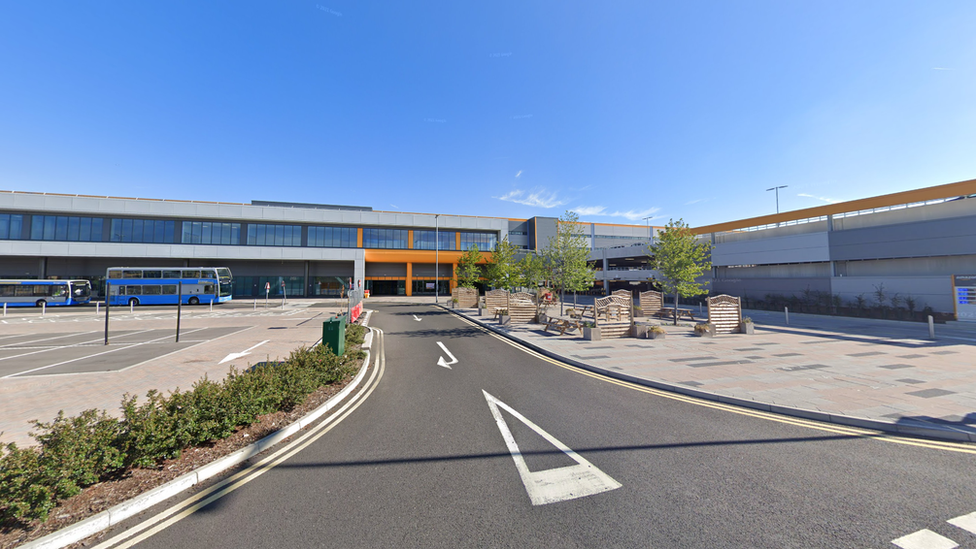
650,236
777,194
437,249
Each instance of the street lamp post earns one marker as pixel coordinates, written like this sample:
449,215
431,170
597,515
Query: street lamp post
650,237
777,194
437,249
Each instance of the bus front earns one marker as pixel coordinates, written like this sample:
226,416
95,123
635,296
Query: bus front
79,292
225,281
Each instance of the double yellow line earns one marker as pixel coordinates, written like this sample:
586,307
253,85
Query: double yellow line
768,416
180,511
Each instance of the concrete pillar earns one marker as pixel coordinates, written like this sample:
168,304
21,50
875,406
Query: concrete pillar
42,268
305,284
359,271
606,274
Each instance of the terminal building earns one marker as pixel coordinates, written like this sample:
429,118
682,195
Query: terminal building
919,243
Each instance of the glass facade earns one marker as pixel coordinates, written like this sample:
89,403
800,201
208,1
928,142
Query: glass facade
273,235
61,227
11,226
427,287
485,241
424,240
148,231
332,237
385,238
253,286
207,232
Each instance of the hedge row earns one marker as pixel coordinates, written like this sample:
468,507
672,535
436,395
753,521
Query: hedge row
76,452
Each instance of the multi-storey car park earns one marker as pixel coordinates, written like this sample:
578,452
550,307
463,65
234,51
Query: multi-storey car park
919,243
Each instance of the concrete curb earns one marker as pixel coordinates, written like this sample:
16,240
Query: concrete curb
114,515
918,430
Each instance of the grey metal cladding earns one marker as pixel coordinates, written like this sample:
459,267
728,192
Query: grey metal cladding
801,248
545,228
954,236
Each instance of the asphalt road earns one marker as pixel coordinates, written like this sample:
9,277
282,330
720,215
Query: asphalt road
424,462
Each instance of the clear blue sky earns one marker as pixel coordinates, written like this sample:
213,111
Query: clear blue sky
618,110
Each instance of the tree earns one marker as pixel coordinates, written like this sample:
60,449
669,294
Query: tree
565,257
681,258
530,272
502,270
468,270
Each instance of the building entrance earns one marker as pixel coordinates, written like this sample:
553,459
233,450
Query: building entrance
387,287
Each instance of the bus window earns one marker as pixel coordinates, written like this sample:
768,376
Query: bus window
169,289
191,274
115,274
57,291
133,290
7,290
132,274
23,291
208,289
151,290
152,274
172,274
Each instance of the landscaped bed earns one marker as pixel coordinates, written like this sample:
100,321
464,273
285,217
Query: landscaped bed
88,463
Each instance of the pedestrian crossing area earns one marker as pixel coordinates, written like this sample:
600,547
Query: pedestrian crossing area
927,539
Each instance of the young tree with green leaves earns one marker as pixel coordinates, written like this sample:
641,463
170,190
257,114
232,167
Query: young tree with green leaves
530,271
681,258
502,270
565,257
468,271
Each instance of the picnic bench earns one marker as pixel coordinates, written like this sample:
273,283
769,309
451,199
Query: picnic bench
562,324
668,312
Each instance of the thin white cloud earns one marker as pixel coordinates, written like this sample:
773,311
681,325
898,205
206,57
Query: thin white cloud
942,69
589,210
632,215
585,188
395,206
820,198
518,174
696,201
542,199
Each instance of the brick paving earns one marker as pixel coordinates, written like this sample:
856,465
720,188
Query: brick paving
885,371
41,396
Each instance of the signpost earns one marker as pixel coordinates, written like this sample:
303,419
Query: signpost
965,290
267,292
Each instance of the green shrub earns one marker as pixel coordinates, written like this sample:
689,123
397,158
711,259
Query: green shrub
24,495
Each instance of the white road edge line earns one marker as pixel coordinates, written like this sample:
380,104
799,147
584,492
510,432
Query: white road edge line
551,485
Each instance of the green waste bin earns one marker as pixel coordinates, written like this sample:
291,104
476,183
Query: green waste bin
334,334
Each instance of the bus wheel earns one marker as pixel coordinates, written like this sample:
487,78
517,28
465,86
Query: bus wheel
133,301
40,302
194,301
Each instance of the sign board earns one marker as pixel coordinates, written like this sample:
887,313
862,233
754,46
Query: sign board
965,290
267,286
430,285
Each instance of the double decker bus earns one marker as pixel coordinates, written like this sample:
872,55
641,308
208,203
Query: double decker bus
164,285
27,293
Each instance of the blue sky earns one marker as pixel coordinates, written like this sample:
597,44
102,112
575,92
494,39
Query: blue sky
617,110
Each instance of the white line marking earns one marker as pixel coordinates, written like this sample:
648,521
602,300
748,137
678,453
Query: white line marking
246,352
966,522
925,539
417,319
440,359
551,485
94,355
82,344
33,341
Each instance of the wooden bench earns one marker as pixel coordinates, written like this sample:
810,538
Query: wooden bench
668,312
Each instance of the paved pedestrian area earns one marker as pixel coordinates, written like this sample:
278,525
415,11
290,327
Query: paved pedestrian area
885,371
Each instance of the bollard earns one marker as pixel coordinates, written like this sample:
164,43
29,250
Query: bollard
97,304
931,327
255,303
211,305
787,311
43,308
5,309
132,306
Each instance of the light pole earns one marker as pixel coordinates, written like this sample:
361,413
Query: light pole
650,236
437,249
777,194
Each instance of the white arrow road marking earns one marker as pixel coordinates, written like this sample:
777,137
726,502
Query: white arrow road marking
440,359
551,485
415,318
233,356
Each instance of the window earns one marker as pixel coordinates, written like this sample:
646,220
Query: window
517,233
11,226
146,231
152,274
151,290
484,241
332,237
424,240
58,227
168,289
132,273
191,274
208,232
385,238
274,235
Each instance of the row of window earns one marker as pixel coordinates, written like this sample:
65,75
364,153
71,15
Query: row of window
158,231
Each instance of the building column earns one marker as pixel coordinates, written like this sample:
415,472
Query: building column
305,285
606,274
42,268
409,279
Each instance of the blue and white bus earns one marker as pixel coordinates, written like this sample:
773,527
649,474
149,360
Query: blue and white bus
162,285
37,293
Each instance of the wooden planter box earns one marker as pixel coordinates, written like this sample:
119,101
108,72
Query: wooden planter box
592,334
